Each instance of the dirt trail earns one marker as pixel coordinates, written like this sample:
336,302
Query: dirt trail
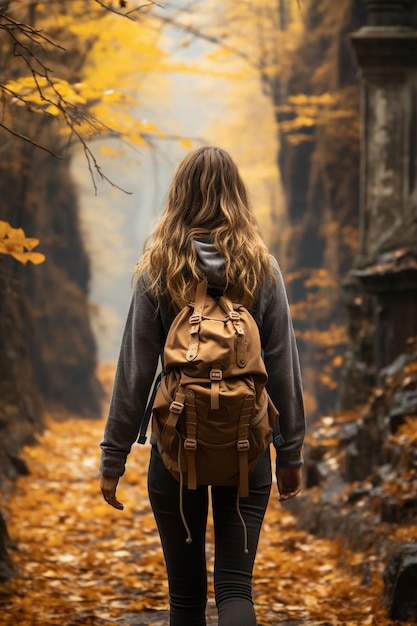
78,561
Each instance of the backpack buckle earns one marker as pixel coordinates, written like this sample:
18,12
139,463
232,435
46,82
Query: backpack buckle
234,315
195,318
242,445
190,444
176,407
216,375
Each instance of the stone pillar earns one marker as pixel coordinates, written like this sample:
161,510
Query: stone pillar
386,51
381,290
386,267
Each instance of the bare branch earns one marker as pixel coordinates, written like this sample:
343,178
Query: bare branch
128,14
26,43
32,33
29,140
259,66
33,47
92,161
143,6
105,6
186,28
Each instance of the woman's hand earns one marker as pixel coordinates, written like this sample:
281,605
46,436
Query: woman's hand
289,482
108,486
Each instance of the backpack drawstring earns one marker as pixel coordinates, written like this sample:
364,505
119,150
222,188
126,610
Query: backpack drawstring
184,521
245,530
189,539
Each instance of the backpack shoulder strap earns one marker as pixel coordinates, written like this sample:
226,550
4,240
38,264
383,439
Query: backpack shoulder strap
229,309
148,411
195,319
200,299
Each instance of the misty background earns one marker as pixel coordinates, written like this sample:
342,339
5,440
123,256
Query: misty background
116,224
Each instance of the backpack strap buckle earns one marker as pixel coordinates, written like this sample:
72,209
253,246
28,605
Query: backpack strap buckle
243,445
195,318
216,375
195,321
190,444
234,315
176,407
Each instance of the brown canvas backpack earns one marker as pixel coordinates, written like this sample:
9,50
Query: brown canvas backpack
212,415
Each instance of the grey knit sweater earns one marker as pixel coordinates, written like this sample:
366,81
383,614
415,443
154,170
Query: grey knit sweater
143,340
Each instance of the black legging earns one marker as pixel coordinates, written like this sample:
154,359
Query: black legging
186,563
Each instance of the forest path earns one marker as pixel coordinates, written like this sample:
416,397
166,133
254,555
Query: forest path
79,561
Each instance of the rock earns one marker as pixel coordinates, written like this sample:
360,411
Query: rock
383,474
19,465
400,579
359,493
396,366
348,432
405,403
391,511
410,506
5,564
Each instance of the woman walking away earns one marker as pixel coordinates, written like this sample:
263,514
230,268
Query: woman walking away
207,236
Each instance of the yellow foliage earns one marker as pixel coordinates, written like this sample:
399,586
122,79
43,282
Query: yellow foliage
327,381
44,95
334,336
324,110
408,430
14,242
320,278
298,138
297,123
101,95
108,151
322,99
186,144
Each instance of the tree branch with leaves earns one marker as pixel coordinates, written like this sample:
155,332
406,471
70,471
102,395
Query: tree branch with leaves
37,77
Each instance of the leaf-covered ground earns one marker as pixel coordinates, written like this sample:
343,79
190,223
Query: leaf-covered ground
79,561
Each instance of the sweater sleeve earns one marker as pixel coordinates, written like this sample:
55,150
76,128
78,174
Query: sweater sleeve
142,343
284,377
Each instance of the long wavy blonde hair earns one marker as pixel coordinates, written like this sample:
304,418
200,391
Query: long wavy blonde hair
207,200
